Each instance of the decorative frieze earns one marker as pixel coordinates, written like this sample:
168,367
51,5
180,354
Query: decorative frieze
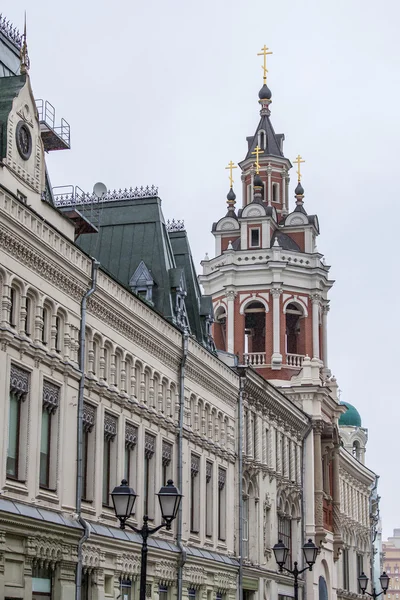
194,465
51,395
131,433
149,445
221,478
110,427
166,453
88,417
19,382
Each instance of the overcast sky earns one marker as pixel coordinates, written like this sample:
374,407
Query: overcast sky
165,93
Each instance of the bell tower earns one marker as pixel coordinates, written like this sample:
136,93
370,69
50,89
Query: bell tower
268,281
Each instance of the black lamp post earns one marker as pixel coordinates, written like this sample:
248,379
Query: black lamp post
363,583
124,498
281,552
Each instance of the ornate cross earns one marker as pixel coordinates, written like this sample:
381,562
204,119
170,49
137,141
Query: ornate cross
231,166
264,52
257,150
298,160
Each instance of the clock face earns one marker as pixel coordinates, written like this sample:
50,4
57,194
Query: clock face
24,140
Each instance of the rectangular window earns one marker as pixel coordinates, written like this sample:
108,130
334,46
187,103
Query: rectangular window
192,593
110,433
57,341
28,316
345,555
194,494
285,534
219,596
149,479
246,527
50,403
360,565
89,417
255,238
14,420
12,307
163,592
126,589
131,433
209,499
275,192
45,325
19,389
221,504
166,462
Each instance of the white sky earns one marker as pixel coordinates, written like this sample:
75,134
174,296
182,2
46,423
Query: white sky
165,93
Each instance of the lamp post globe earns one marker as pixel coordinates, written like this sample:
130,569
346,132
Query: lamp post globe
310,552
281,553
123,498
170,498
363,582
384,579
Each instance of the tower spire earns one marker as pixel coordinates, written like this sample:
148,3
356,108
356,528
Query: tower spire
264,94
231,197
24,58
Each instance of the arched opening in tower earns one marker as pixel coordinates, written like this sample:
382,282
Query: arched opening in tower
219,327
254,328
295,329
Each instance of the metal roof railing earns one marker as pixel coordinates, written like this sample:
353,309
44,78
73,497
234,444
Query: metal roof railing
54,137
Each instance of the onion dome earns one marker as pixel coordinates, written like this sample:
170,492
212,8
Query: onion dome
257,181
231,195
351,418
265,93
231,201
299,191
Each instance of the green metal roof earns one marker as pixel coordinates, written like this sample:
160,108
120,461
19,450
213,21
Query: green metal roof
351,418
9,89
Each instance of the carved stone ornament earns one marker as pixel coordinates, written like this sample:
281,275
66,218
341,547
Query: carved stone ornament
209,467
51,395
221,478
88,418
149,445
166,572
110,427
131,433
19,382
166,453
194,465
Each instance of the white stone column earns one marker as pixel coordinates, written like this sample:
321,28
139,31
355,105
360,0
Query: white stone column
316,300
230,297
269,192
244,189
276,359
325,310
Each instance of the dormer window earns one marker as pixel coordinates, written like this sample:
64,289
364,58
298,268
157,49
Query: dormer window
255,237
261,139
142,283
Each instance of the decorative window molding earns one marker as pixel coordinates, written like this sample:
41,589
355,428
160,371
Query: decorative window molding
19,382
51,396
166,453
194,465
209,467
221,478
88,417
149,445
110,427
131,434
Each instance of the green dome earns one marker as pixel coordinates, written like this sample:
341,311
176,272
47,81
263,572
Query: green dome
351,418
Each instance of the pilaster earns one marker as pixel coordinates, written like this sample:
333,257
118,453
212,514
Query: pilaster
276,359
230,297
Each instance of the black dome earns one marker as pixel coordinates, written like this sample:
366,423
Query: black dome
258,181
231,195
265,93
299,191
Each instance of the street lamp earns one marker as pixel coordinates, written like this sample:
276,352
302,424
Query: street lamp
363,582
281,552
124,498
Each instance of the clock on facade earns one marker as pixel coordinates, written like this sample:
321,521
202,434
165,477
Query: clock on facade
24,140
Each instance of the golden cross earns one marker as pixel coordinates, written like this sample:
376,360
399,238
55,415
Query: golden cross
298,160
231,166
257,150
264,52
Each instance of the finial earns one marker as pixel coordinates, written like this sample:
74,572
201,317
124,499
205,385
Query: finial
298,160
257,150
231,200
264,52
206,257
258,189
231,166
230,247
24,58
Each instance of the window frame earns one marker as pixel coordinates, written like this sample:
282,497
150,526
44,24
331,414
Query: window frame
258,230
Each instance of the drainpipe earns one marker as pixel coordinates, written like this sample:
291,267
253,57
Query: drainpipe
79,465
240,487
303,501
185,341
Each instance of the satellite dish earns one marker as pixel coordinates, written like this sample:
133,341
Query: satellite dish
99,189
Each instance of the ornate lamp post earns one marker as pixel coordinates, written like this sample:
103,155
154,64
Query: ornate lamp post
363,582
124,498
281,552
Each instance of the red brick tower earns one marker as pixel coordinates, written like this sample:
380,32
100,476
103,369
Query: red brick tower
268,281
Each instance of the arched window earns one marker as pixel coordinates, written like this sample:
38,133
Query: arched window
275,192
14,306
294,333
46,324
356,450
261,139
220,328
254,333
